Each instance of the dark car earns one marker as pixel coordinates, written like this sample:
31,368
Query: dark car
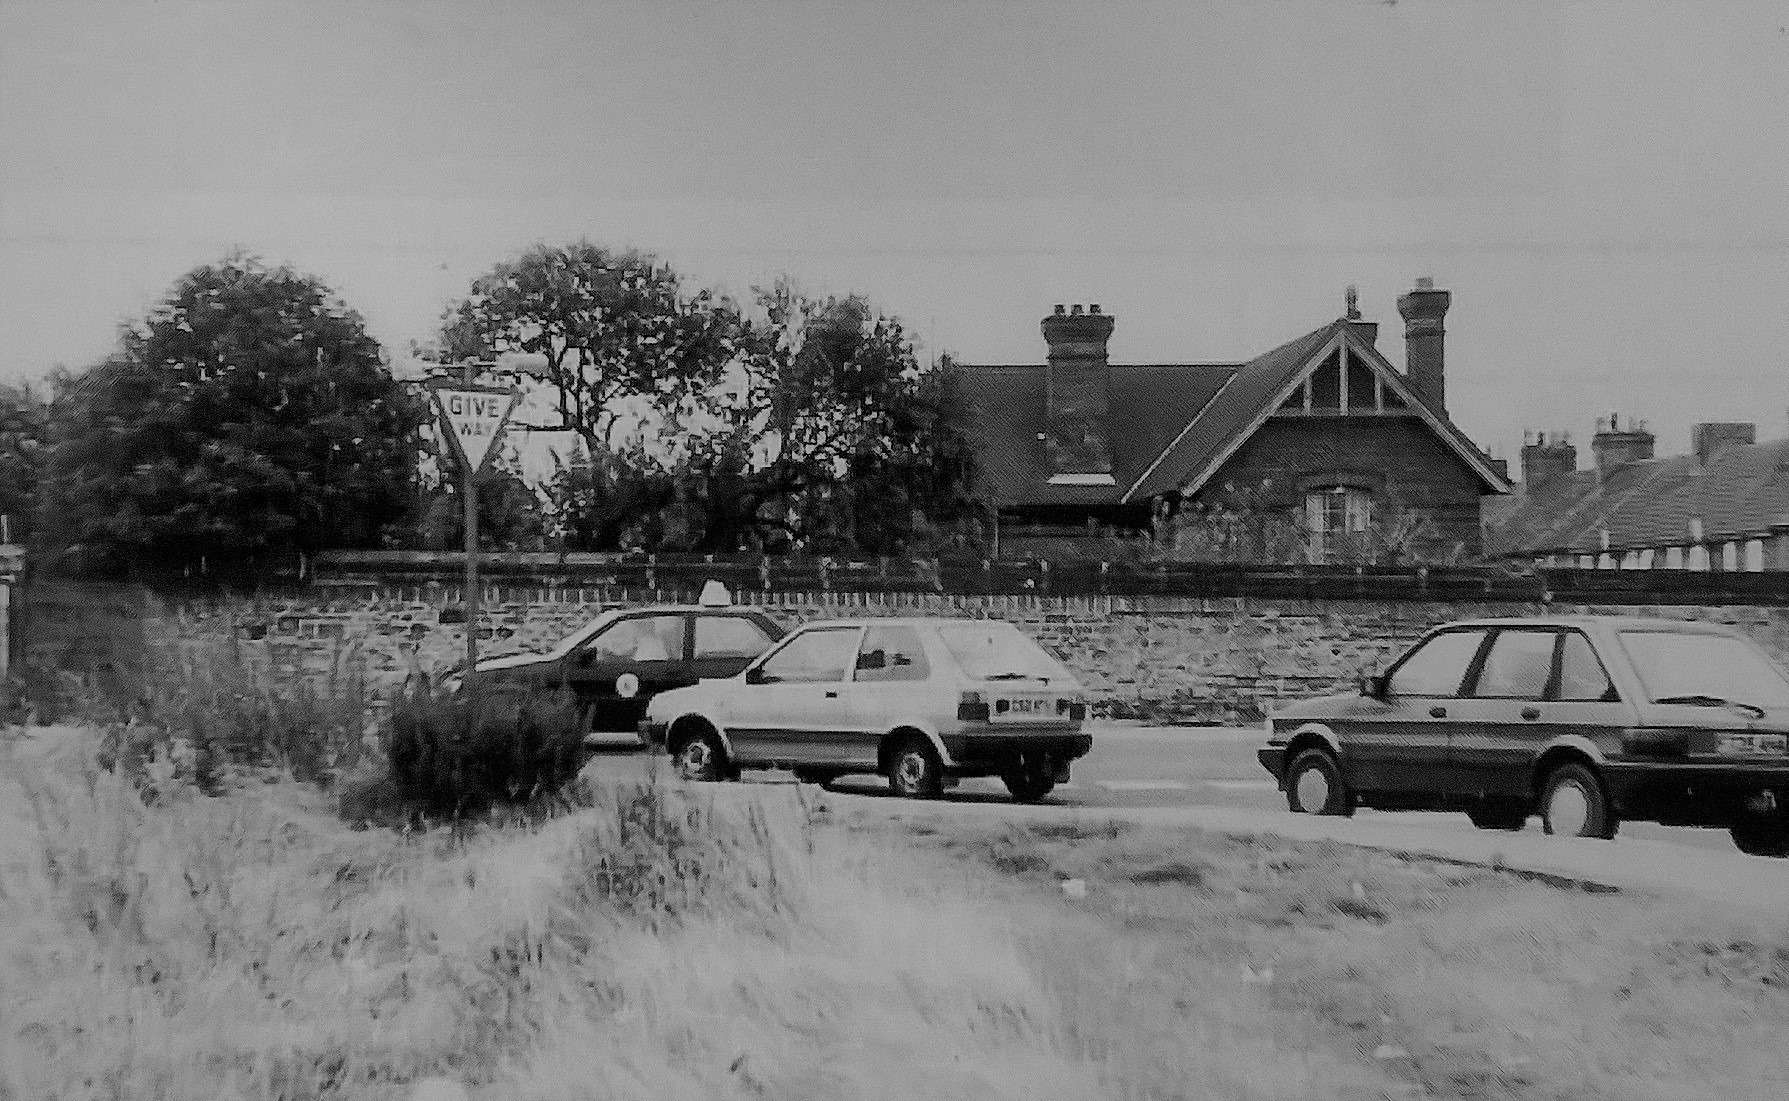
615,664
1583,720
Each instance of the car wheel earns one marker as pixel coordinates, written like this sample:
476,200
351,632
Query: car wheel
915,771
1762,836
1574,804
1499,816
702,758
1029,784
1314,785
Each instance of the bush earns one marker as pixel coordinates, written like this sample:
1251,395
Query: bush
460,754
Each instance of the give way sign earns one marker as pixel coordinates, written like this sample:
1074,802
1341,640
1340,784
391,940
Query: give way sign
475,419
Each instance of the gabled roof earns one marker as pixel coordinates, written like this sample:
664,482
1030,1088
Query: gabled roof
1155,402
1173,425
1742,491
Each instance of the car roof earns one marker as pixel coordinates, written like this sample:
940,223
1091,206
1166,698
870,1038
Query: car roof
1592,622
902,621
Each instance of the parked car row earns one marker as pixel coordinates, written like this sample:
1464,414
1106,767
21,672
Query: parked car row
1583,721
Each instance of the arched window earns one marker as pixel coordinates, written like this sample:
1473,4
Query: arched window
1337,518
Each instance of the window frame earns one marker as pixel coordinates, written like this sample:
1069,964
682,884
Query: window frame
588,648
1548,685
756,668
1467,675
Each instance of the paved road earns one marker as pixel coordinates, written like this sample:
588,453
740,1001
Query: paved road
1209,777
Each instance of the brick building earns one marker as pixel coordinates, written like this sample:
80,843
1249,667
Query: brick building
1723,506
1321,429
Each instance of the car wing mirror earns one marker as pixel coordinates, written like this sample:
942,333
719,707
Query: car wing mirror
755,675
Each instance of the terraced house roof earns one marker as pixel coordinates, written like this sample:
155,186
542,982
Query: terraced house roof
1739,492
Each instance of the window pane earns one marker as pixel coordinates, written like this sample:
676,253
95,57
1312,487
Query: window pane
1581,674
997,649
891,653
821,655
1438,667
1517,666
645,638
729,637
1673,665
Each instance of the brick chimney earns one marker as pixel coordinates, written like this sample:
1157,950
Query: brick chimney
1424,362
1077,395
1709,440
1545,457
1614,445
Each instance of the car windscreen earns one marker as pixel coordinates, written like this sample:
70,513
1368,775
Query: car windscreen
997,651
1689,668
577,638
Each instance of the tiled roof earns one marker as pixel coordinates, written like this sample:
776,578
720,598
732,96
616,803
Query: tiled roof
1742,491
1172,424
1150,404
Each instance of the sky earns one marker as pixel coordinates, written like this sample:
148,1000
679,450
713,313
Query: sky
1604,186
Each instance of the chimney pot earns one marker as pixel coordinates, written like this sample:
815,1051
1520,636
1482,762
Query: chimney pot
1425,283
1076,310
1061,309
1093,308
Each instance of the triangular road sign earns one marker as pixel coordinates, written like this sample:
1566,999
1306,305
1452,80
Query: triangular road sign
475,418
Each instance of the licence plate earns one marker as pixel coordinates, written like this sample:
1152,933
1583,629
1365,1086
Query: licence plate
1755,745
1024,709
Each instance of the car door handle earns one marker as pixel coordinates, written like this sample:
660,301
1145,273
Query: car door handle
832,695
1437,712
1531,712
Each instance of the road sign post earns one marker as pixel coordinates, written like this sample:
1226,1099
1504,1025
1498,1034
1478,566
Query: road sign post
474,417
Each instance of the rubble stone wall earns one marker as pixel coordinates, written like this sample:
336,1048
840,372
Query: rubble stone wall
1168,659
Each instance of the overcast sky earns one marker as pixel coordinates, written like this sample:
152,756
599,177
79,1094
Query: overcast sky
1604,186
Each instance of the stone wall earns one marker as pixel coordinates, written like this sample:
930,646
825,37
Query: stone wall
1174,659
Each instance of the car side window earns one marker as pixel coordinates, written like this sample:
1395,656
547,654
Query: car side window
1517,666
820,655
1437,667
730,636
642,638
1581,673
891,654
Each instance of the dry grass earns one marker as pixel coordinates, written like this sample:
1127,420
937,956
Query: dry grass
737,941
1376,976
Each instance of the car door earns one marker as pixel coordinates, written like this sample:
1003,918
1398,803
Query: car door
1581,698
889,680
1397,746
788,708
620,668
1497,726
726,644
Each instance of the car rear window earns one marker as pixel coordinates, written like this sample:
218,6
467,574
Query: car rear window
997,651
729,637
1678,665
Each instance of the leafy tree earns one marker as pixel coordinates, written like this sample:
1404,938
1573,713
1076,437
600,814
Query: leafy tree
612,326
24,432
832,437
248,416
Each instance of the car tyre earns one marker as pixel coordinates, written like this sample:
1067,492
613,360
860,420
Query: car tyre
915,770
702,758
1029,784
1499,816
1314,785
1574,804
1762,836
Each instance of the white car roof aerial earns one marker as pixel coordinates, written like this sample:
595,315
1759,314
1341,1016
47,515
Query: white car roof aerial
715,595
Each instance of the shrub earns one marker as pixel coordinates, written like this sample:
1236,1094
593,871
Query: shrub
460,754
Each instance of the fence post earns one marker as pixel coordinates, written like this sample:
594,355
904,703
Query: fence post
1043,575
651,573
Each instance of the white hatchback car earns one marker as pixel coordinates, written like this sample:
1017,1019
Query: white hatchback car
923,702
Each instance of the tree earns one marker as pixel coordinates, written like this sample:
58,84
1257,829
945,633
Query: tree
612,326
247,417
831,435
24,432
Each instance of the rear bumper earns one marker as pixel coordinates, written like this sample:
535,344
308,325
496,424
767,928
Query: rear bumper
1688,793
987,754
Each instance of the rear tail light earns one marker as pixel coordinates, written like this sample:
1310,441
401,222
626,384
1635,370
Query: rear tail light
1074,709
972,708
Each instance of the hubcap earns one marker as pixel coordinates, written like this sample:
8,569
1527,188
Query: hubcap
1568,809
694,760
911,771
1313,790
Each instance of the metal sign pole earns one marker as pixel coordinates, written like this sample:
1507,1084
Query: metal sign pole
471,495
